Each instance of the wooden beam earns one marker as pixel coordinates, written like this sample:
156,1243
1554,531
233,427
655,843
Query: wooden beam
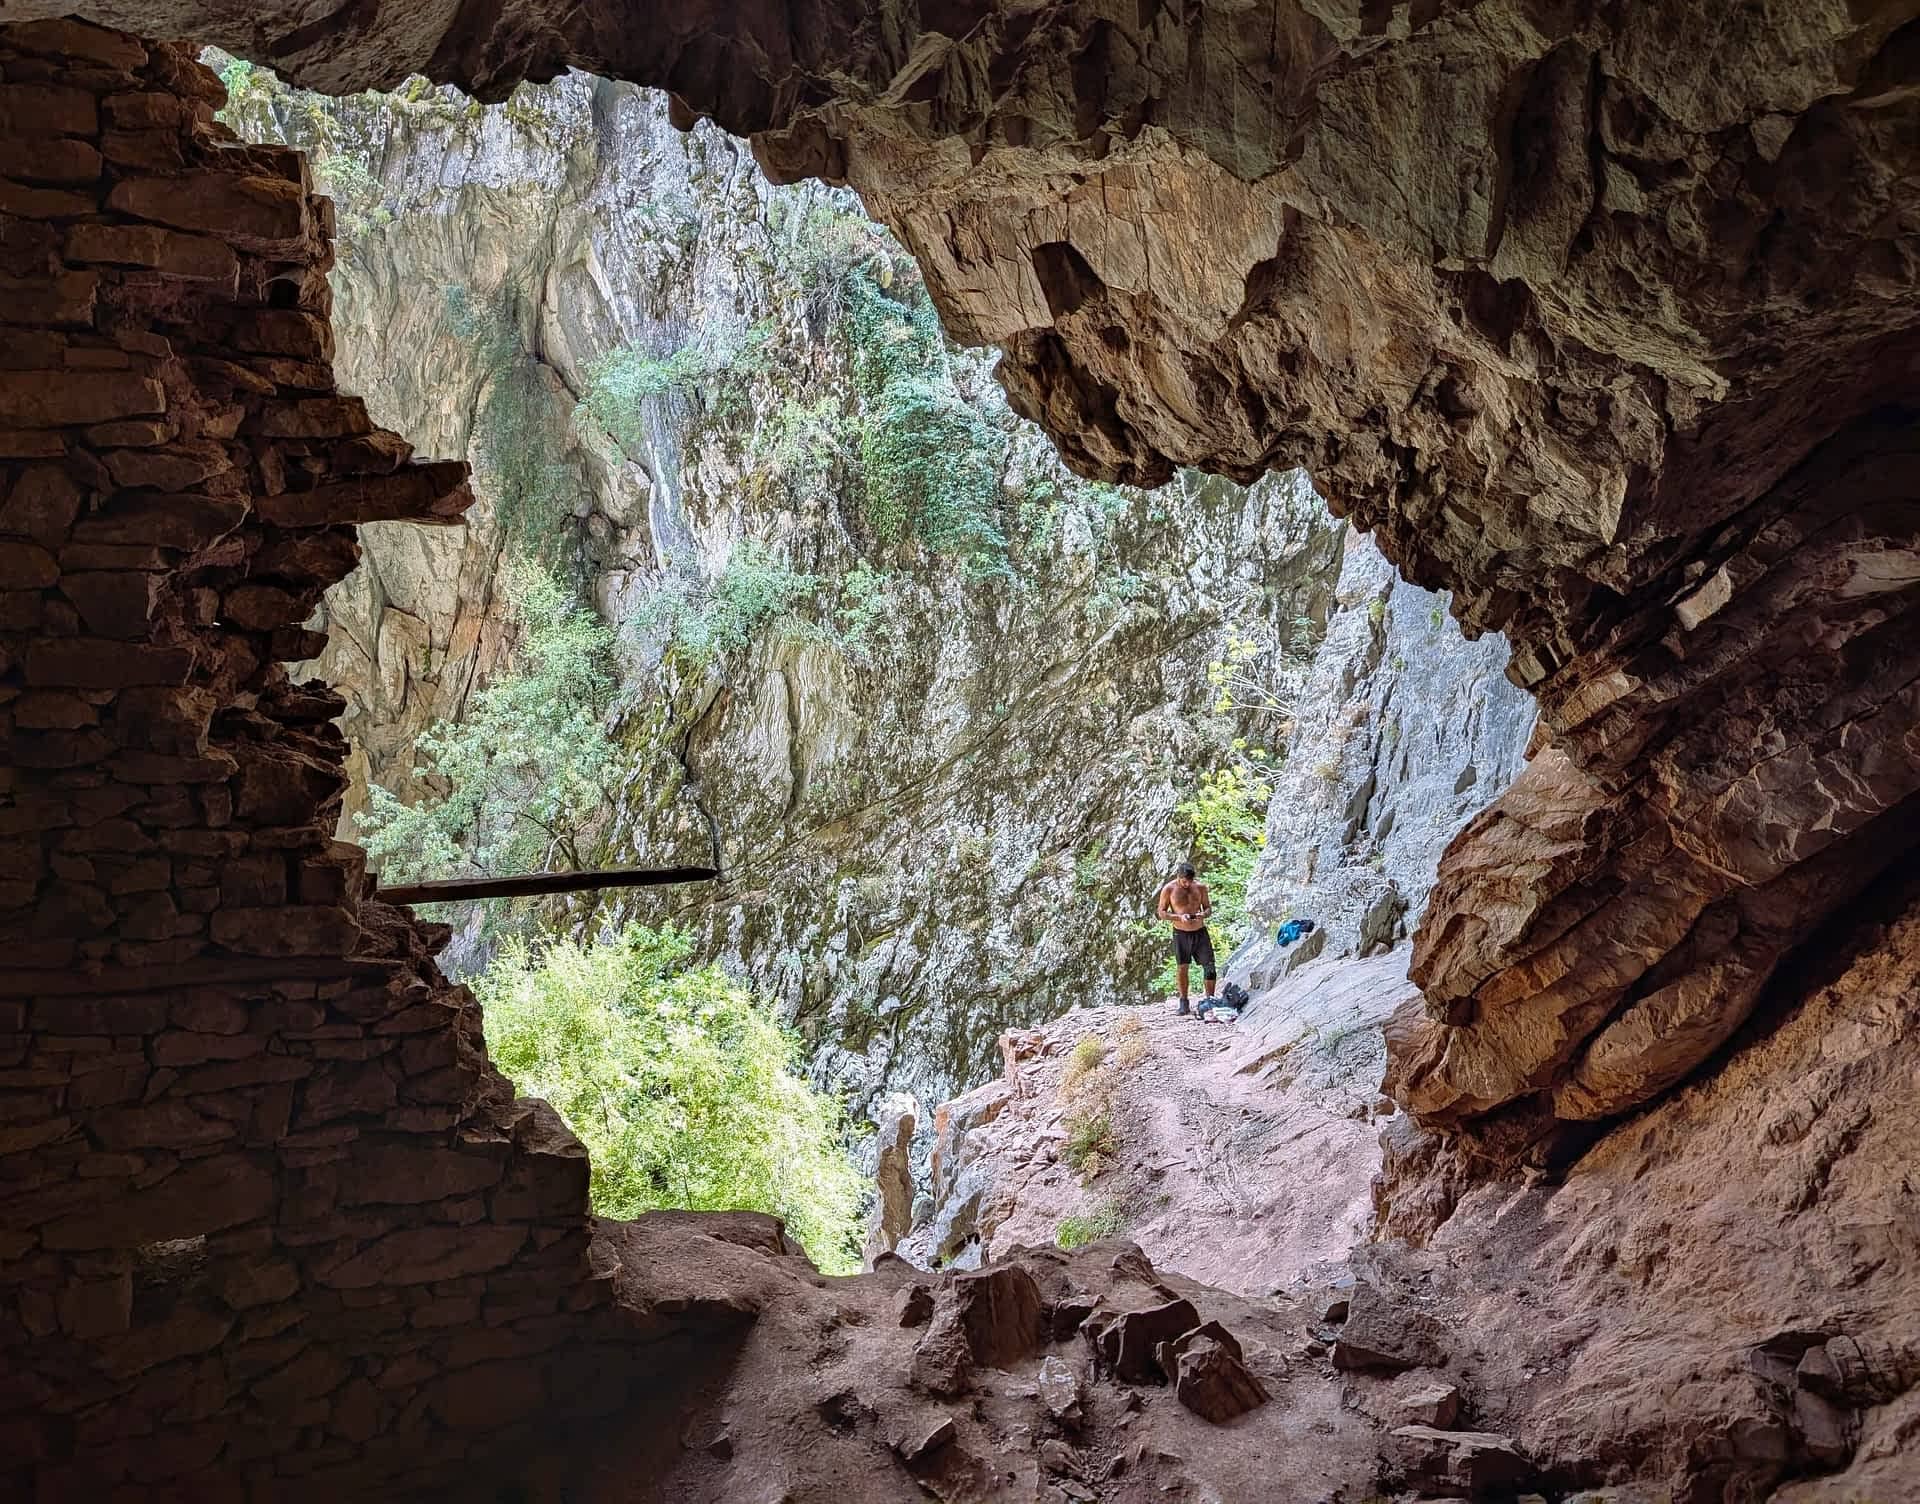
531,884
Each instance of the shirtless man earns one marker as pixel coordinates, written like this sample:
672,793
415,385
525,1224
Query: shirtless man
1185,904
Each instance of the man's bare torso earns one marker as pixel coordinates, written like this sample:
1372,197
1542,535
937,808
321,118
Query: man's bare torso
1189,898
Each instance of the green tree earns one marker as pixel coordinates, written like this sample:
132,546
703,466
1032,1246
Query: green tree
684,1087
518,785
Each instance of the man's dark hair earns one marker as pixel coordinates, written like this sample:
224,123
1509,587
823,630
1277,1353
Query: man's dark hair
1185,869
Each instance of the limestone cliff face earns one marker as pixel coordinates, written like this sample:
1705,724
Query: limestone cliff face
1402,731
942,807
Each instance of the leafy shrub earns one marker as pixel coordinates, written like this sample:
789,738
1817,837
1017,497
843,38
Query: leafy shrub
684,1087
1078,1230
867,608
519,783
756,587
1091,1142
930,463
720,371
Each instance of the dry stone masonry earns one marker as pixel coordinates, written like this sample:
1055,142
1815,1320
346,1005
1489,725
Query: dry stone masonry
266,1211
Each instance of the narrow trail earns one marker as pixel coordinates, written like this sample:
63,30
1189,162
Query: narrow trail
1241,1154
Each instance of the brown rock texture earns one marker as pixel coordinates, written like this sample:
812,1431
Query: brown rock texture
1602,318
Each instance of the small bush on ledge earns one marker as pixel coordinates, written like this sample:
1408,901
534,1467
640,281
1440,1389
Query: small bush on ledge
1078,1230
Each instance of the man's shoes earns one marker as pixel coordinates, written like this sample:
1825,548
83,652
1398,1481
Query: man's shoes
1183,1009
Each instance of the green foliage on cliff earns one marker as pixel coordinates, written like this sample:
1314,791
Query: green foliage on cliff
930,462
683,1085
516,433
721,372
521,781
754,590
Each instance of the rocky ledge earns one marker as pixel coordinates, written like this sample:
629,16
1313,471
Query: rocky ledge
1587,1315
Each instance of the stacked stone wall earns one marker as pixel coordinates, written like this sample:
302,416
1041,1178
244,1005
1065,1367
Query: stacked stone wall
270,1223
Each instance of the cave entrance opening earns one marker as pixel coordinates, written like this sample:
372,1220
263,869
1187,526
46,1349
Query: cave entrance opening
763,576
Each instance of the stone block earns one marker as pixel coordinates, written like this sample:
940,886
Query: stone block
137,1014
256,1283
103,663
145,110
254,882
113,603
185,1330
91,1308
409,1175
293,930
144,151
261,608
52,710
252,211
176,469
26,566
43,203
41,109
70,39
130,433
1385,1333
65,299
200,1197
183,522
182,1047
21,610
51,399
344,1090
282,331
428,491
49,159
424,1255
210,1013
1125,1342
167,1124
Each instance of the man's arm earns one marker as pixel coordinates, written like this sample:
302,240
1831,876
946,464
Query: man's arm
1206,903
1162,910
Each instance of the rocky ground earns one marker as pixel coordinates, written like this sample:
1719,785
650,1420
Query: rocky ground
1240,1154
1054,1378
1712,1302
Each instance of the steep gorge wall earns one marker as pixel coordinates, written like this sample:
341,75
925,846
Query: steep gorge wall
946,826
1765,1386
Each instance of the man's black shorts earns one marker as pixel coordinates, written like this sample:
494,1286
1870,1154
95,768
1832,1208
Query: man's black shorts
1194,945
